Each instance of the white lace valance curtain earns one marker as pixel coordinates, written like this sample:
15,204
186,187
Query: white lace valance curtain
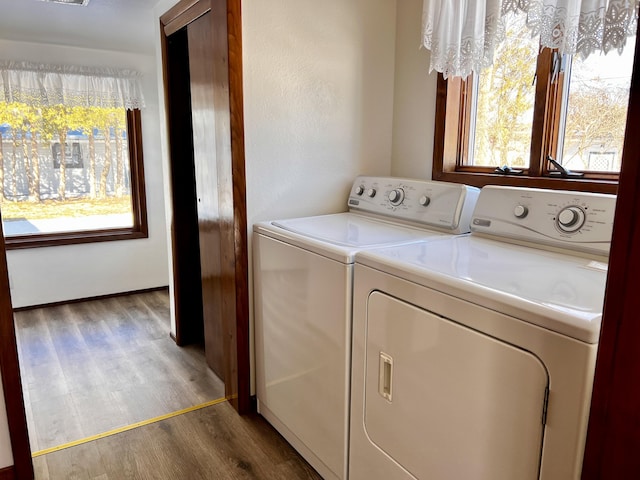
462,34
39,84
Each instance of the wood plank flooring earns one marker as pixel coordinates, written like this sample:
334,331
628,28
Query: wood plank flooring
94,366
211,443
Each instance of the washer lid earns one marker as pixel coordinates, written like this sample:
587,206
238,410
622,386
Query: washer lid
350,230
341,235
560,292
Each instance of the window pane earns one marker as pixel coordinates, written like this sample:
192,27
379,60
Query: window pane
64,169
597,111
501,133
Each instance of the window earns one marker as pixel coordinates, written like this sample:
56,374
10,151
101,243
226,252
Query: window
70,158
96,194
501,127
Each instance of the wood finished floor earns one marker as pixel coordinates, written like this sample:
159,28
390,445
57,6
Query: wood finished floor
211,443
94,366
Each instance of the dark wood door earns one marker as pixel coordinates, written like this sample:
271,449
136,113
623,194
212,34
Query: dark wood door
11,383
184,222
202,61
203,116
195,185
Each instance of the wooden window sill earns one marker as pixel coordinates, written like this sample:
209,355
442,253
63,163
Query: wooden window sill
73,238
479,179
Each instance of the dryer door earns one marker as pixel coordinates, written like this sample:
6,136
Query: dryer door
444,401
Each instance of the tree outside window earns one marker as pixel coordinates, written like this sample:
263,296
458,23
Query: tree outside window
70,154
65,170
501,126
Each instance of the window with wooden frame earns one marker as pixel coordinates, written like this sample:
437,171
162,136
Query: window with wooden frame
535,118
95,194
71,162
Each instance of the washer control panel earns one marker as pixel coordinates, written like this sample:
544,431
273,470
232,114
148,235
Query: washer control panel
571,219
563,219
446,206
396,196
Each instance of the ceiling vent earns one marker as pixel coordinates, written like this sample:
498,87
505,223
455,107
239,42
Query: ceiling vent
82,3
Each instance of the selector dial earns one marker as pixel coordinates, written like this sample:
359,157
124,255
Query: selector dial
520,211
371,192
570,219
359,190
396,196
424,200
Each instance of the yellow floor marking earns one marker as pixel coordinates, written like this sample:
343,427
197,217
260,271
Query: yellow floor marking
128,427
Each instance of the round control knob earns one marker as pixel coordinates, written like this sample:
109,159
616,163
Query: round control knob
359,190
371,192
424,200
570,219
520,211
396,196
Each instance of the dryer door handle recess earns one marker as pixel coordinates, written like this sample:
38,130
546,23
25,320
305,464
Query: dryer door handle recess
385,381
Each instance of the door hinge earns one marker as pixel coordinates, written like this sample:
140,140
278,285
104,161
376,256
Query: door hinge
545,406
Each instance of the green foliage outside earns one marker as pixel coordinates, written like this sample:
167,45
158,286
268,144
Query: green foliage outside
505,100
32,130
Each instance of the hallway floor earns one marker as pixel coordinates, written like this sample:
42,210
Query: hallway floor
91,367
211,443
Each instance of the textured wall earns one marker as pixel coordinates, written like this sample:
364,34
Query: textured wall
415,97
318,86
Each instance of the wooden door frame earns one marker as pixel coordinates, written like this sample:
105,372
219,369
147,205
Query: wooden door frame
613,439
227,32
11,382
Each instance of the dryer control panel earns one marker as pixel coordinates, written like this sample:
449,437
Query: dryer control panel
445,206
563,219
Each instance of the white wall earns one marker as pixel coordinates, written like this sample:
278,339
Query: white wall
415,97
318,93
52,274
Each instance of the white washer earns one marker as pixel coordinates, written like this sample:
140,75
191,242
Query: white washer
303,287
473,358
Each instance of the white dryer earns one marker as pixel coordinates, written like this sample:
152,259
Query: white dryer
473,357
303,288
